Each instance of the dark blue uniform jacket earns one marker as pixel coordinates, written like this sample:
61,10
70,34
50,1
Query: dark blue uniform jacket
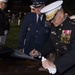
32,35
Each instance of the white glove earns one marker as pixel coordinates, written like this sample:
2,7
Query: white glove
50,69
5,32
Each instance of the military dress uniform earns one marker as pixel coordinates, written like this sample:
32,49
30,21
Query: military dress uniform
62,41
33,35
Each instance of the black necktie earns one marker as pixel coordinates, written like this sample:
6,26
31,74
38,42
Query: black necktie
39,19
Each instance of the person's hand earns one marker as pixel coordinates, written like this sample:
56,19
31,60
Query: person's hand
34,53
48,64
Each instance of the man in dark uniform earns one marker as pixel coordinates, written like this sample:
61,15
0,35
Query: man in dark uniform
4,23
34,32
62,41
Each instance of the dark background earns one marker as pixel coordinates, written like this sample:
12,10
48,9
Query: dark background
68,5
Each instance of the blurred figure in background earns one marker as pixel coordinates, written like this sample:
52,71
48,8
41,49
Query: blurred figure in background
19,18
13,18
4,22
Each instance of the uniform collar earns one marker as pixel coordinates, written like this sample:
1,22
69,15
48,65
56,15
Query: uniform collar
67,19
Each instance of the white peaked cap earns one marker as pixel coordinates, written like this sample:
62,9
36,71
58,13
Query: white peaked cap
52,7
72,17
32,7
4,1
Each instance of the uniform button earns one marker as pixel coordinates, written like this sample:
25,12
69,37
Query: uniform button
35,36
58,36
36,30
57,50
56,43
59,28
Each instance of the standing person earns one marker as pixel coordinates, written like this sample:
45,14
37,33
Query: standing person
13,18
62,40
4,23
34,33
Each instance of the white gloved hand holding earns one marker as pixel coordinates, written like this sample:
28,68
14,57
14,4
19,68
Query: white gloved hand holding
52,70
